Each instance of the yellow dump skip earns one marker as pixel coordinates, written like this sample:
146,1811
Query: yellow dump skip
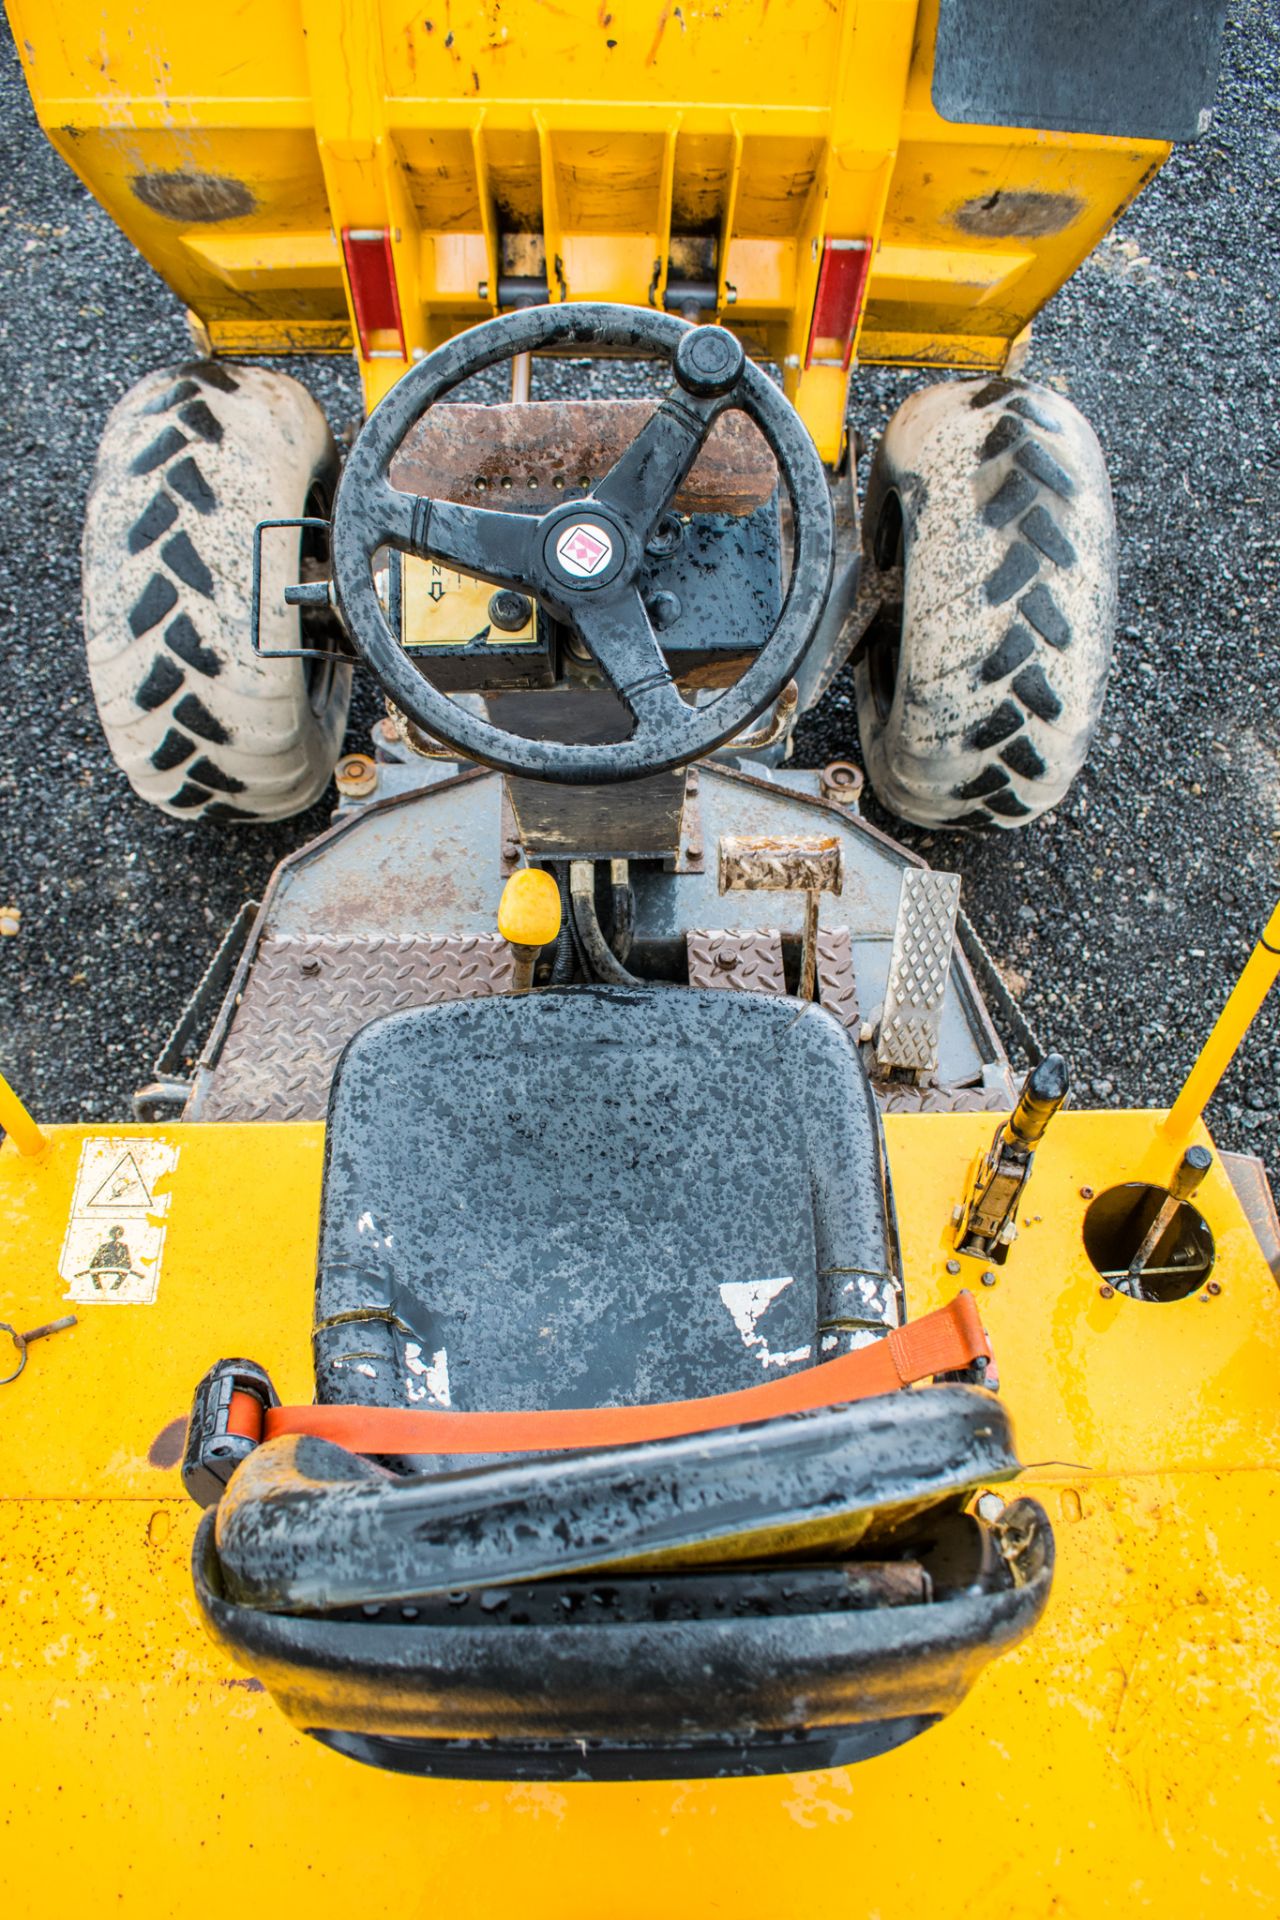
609,151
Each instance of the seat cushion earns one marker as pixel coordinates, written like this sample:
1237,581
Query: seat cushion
597,1196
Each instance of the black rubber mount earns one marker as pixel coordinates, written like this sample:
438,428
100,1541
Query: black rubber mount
508,611
582,560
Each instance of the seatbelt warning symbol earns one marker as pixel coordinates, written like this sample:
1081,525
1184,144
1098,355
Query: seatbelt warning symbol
115,1234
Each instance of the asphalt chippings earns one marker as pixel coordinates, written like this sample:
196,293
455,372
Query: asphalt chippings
1119,921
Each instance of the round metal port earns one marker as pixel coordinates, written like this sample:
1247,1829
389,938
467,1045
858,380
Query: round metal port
1119,1221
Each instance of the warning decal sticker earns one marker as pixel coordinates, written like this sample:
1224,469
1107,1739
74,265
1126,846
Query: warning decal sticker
115,1235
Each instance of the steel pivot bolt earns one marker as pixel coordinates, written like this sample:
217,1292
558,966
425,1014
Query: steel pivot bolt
708,361
667,536
355,775
841,782
664,610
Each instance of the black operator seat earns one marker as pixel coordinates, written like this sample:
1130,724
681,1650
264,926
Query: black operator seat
589,1198
597,1196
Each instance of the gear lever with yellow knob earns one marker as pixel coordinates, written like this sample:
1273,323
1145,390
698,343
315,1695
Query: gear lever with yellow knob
529,915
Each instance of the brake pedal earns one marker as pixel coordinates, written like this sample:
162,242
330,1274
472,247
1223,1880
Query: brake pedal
920,966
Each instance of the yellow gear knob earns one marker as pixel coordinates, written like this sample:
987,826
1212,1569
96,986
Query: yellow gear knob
529,911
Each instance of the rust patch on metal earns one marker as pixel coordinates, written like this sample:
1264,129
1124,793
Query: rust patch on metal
194,199
764,862
166,1449
1018,216
536,453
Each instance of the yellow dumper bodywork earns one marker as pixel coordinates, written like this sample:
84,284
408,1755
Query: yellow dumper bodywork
1123,1760
343,176
699,156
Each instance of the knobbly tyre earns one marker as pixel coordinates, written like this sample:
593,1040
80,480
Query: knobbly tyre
677,1426
899,183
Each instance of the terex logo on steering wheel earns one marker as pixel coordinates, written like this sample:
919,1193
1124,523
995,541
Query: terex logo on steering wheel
582,550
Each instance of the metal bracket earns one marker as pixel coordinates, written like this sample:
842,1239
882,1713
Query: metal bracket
691,857
837,985
986,1220
510,832
810,864
171,1088
1017,1027
214,1449
306,593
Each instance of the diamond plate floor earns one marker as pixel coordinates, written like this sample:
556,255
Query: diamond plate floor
305,998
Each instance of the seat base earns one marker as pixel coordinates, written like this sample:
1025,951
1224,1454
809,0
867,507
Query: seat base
497,1695
764,1753
798,1593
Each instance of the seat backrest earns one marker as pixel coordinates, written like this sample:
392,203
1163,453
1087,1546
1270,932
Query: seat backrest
595,1196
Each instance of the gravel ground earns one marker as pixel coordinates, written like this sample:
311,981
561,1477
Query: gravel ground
1126,914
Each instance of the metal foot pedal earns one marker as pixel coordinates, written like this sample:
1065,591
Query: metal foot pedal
837,987
749,961
911,1024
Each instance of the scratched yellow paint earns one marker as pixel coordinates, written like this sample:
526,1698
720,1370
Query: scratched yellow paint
1125,1759
232,152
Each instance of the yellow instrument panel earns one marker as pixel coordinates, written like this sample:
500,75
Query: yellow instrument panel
441,608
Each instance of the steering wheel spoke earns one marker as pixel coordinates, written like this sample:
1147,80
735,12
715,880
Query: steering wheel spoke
625,647
498,547
643,481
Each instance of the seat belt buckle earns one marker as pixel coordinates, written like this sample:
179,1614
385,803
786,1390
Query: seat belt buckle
981,1372
225,1426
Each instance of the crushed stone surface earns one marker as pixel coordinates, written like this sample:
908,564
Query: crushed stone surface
1120,920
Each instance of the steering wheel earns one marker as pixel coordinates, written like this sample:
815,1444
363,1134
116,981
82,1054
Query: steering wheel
582,559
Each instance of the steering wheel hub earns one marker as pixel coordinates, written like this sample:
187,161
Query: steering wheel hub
584,550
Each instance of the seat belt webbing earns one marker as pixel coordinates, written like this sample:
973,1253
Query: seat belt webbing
946,1341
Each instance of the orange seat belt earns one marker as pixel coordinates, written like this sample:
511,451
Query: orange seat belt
943,1342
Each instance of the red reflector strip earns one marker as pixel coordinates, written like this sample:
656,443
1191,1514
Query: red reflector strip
842,283
372,274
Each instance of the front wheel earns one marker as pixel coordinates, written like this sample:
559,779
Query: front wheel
204,727
990,526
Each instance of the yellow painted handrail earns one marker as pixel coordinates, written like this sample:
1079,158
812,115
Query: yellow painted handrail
18,1123
1251,989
